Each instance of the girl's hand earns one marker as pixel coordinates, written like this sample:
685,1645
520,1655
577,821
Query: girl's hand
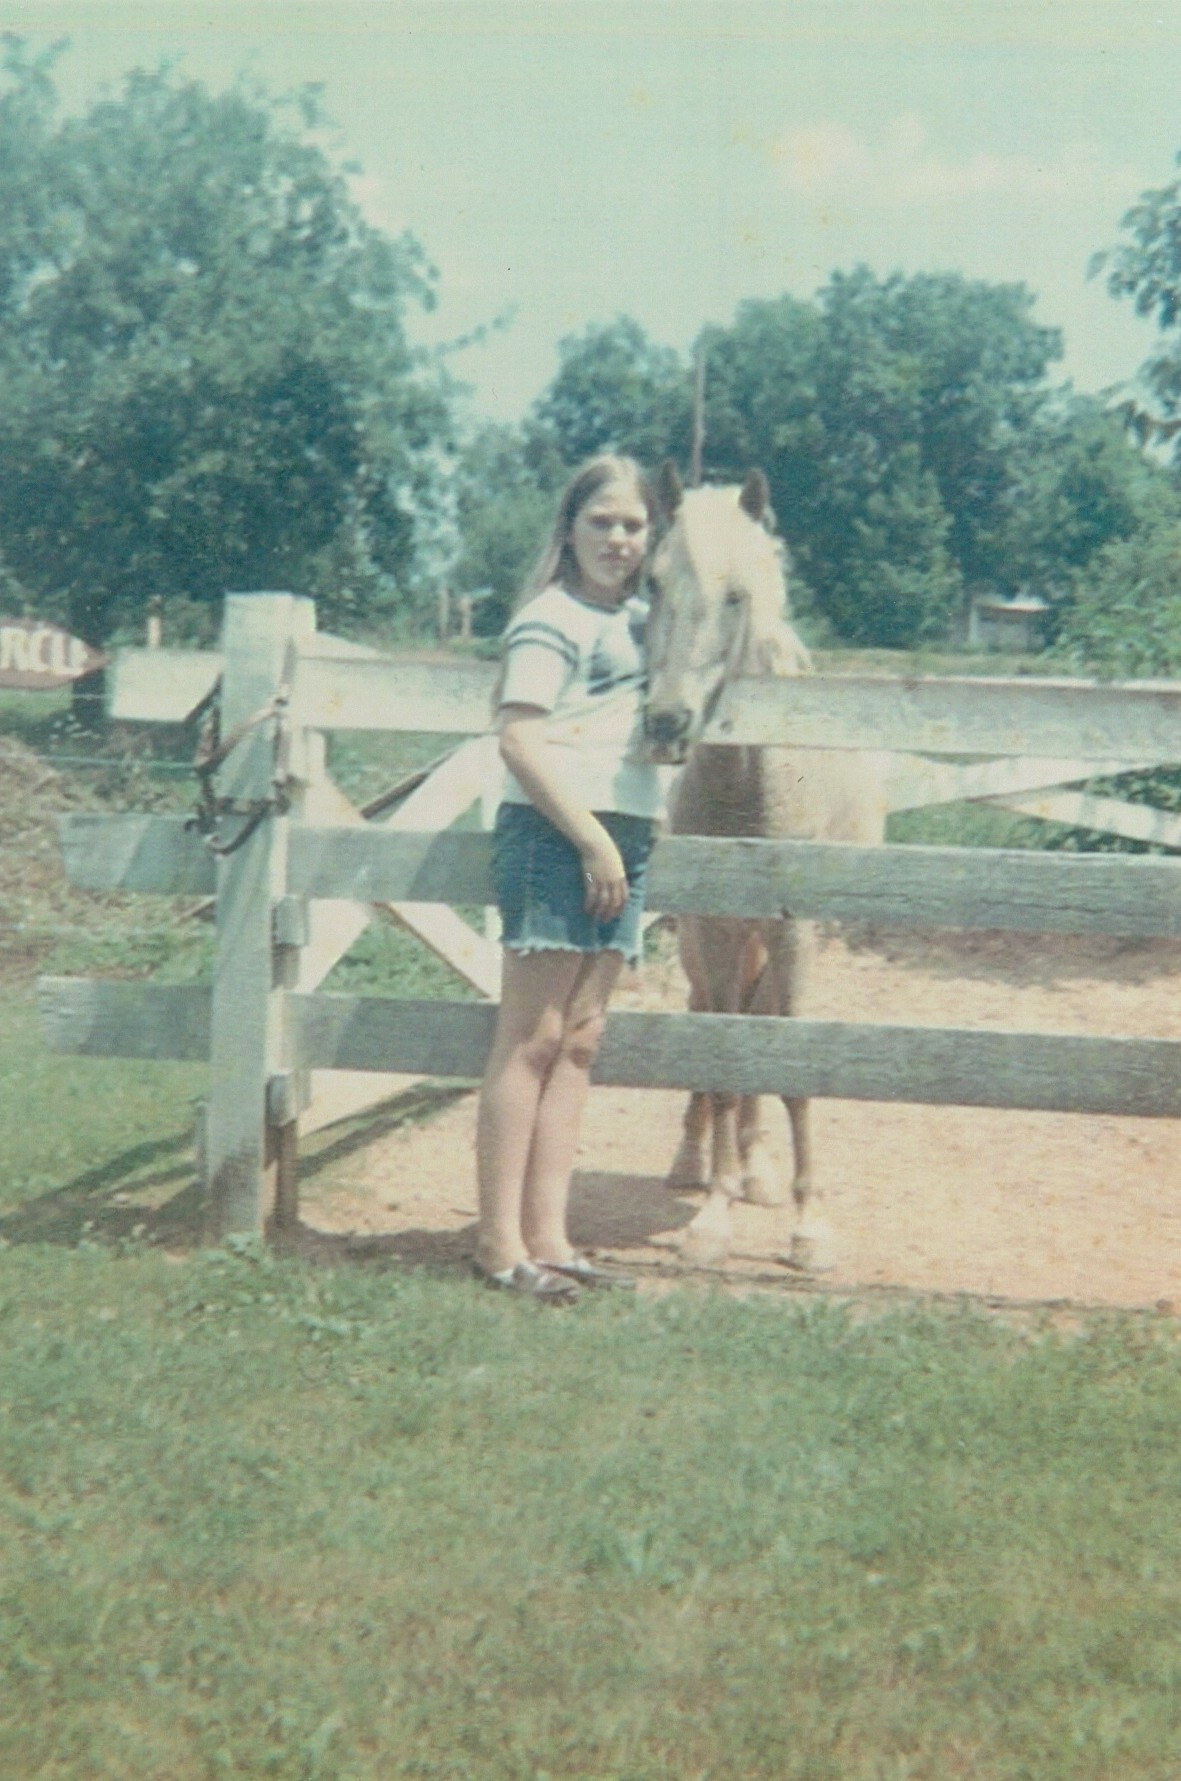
605,879
524,748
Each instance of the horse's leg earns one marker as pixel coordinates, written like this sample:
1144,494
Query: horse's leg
725,1176
789,947
718,952
762,1183
762,1179
706,1238
690,1166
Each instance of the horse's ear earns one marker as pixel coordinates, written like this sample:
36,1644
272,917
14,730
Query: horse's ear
756,495
669,488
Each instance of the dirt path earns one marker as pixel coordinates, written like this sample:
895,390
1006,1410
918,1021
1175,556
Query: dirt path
1015,1206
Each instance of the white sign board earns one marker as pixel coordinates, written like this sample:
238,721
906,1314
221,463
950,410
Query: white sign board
42,656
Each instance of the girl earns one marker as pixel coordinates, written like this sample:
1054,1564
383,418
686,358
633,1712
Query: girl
572,840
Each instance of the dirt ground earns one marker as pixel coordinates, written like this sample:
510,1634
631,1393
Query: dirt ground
1015,1208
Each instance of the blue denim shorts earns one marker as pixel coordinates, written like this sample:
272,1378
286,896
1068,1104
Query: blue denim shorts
540,887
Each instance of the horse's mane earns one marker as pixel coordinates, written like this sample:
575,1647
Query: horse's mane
720,536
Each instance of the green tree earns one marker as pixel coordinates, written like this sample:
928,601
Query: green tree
1147,267
506,490
762,403
887,416
977,364
616,391
205,381
1080,483
890,580
1124,620
915,447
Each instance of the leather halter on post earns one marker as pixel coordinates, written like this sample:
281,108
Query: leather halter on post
212,752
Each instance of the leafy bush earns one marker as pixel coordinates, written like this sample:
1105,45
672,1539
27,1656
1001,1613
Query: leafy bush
1125,619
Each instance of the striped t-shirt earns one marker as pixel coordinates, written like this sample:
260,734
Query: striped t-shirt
585,665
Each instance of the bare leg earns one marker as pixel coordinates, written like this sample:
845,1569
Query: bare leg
536,988
552,1011
559,1113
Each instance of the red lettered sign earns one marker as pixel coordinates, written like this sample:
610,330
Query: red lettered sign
41,656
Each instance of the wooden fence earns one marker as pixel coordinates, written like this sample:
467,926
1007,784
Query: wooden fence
298,891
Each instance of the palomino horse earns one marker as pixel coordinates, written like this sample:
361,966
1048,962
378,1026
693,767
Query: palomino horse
720,609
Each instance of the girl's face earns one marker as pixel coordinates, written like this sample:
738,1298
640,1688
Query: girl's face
609,537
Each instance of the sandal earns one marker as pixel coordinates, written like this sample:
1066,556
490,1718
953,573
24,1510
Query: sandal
534,1281
588,1273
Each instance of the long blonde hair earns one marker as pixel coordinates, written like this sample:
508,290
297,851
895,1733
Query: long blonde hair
556,562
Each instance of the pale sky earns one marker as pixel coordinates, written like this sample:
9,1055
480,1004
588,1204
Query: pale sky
564,162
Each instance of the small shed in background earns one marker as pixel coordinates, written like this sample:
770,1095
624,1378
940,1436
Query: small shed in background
1016,626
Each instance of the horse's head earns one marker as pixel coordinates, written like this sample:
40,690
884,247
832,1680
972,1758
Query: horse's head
719,608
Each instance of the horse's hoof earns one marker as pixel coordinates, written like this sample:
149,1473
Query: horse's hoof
813,1249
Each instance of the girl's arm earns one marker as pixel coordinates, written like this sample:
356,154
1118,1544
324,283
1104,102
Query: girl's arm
524,749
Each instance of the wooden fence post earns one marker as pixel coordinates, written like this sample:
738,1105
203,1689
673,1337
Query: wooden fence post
251,1056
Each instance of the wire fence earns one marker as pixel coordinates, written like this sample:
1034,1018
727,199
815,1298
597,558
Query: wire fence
126,763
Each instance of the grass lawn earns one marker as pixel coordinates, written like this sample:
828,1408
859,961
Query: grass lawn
87,1138
261,1519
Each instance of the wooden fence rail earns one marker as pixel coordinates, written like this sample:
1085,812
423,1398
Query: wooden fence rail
923,887
1086,720
946,1066
292,898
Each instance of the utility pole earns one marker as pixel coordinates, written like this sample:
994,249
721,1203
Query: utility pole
695,461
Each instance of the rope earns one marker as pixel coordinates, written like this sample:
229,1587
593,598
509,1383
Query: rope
396,794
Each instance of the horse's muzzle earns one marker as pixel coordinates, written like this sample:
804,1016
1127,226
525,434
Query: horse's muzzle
667,733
